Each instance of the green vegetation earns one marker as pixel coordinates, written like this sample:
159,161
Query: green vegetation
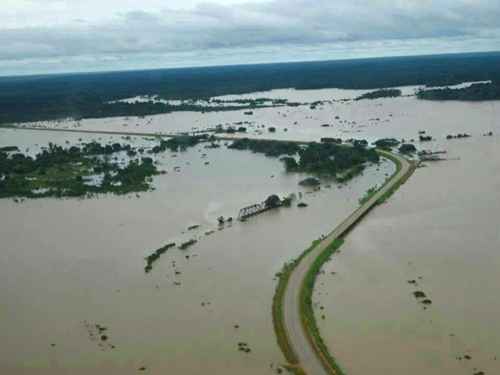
253,103
307,311
82,171
331,140
180,143
266,147
373,190
387,143
369,193
306,308
156,255
350,173
332,159
464,135
278,317
475,92
401,181
407,148
9,149
385,93
287,201
326,159
273,201
68,172
188,244
310,182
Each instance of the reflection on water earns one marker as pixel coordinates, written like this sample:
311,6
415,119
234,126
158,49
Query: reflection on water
68,265
441,230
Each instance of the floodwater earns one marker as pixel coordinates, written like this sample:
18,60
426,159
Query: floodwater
67,265
440,229
368,119
67,262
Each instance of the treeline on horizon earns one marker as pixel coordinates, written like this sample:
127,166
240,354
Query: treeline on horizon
475,92
37,98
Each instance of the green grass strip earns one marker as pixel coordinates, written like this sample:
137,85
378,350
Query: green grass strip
307,311
413,166
278,316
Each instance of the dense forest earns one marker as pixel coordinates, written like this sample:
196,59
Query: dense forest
33,98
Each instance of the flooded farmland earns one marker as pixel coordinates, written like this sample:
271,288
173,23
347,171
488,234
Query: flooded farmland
72,270
399,117
83,269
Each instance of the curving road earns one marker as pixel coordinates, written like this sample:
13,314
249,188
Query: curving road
309,361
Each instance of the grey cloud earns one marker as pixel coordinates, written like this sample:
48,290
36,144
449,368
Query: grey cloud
300,23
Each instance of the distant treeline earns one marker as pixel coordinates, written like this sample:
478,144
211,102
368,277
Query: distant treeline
85,95
476,92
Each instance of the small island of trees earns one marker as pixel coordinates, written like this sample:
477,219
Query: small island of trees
387,143
325,159
384,93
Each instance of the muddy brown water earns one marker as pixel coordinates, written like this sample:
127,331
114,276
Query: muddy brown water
369,119
67,264
440,229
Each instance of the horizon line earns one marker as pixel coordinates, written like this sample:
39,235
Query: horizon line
192,67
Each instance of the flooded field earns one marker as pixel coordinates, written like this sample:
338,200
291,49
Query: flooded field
437,235
368,119
72,271
69,265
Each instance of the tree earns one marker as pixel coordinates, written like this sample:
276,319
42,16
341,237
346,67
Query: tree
407,148
290,163
273,201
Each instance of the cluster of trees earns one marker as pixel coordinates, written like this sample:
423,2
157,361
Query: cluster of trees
318,158
407,148
273,201
424,138
252,103
62,172
94,148
331,140
330,159
463,135
180,143
475,92
151,259
85,95
385,93
232,130
386,143
267,147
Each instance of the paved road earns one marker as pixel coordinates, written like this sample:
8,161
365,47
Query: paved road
89,131
308,359
149,134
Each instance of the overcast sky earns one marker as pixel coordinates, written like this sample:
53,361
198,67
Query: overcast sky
41,36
